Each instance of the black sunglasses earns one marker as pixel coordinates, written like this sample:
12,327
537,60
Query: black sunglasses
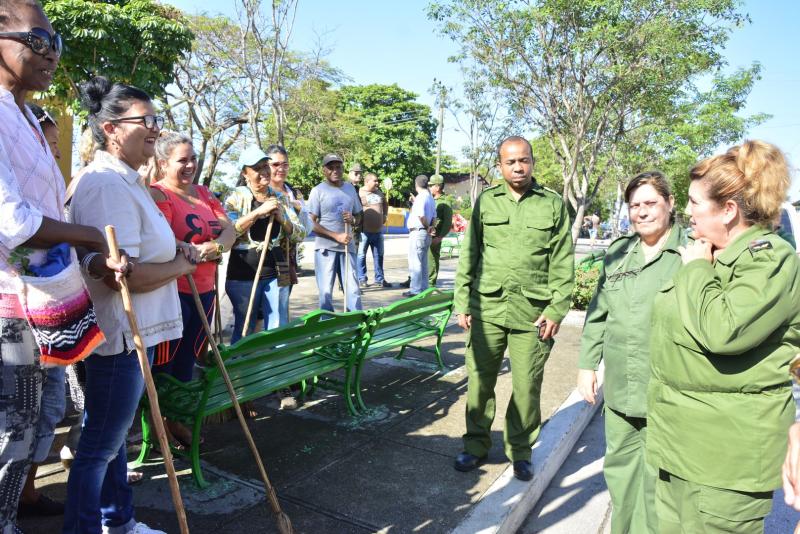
38,40
150,121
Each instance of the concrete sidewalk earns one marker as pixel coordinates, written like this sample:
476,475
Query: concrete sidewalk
389,471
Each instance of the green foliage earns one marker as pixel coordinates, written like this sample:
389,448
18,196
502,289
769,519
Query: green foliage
465,212
131,41
398,137
585,285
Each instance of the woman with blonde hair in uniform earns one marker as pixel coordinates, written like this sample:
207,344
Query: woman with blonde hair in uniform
724,331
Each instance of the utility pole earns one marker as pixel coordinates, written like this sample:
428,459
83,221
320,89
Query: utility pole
442,98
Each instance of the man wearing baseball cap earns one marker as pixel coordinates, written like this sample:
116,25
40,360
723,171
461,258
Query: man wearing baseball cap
334,209
420,227
444,219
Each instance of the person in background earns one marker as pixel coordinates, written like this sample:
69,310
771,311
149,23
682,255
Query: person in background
332,206
725,328
512,290
354,176
201,226
250,207
444,219
293,199
617,331
420,226
111,192
32,502
376,209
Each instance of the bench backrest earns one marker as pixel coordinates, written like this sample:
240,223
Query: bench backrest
334,336
432,301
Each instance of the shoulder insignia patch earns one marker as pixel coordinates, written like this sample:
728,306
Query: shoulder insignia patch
759,244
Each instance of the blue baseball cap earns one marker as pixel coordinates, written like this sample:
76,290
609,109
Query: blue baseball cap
250,156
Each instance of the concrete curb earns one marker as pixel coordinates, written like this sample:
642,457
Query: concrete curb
506,504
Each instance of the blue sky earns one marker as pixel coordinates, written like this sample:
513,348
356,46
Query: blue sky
392,41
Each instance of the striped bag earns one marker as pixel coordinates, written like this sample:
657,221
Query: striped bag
61,314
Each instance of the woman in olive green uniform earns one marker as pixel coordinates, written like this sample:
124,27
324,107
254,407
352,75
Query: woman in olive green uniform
617,331
723,334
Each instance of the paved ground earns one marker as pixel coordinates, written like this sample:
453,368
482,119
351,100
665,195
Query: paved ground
388,472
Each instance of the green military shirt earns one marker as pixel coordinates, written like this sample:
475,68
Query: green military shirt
516,259
444,217
617,327
723,334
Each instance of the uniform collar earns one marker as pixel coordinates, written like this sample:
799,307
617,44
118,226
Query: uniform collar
534,188
740,244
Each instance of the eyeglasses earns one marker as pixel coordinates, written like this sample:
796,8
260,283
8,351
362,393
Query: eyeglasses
150,121
38,40
280,165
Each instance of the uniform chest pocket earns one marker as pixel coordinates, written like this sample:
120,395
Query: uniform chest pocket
537,232
496,229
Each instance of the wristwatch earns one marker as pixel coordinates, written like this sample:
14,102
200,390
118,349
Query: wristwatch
220,247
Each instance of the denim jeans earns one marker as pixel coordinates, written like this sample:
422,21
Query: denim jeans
54,404
418,243
372,240
97,488
324,262
267,297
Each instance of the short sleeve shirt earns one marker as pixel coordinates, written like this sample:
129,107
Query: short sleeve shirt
196,223
424,206
328,203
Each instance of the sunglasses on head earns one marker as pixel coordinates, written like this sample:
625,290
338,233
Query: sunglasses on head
150,121
38,40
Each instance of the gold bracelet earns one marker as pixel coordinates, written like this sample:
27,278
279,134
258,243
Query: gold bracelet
237,229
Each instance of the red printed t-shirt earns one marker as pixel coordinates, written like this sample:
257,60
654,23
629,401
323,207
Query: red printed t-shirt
195,222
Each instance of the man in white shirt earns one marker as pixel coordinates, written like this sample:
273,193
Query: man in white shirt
420,222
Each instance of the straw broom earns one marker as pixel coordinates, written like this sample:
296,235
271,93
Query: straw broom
152,395
284,524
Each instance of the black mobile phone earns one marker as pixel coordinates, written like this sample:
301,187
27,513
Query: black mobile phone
541,329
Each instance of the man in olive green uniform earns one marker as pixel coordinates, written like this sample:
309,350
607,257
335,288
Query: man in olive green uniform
720,400
512,290
444,218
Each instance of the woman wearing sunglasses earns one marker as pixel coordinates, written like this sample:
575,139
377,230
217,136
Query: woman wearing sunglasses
125,128
31,201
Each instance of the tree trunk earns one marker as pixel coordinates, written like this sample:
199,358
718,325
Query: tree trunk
576,225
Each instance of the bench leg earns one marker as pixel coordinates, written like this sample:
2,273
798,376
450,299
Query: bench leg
194,454
400,354
357,386
439,360
147,444
348,392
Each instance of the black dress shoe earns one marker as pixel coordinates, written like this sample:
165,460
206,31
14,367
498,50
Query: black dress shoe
44,506
467,462
407,283
523,470
408,294
386,284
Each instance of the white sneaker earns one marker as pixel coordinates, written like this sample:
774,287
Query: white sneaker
67,456
288,402
138,528
141,528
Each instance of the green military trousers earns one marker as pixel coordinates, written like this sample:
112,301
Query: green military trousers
631,480
685,507
486,345
434,251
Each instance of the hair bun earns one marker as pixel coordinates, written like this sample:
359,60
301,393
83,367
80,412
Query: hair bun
93,92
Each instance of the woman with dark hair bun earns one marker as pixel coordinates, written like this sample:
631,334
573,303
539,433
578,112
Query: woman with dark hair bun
617,332
125,127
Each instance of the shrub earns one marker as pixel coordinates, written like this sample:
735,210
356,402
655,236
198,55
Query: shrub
585,284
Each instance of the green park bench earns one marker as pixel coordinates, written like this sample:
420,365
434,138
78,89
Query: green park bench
262,363
451,244
403,323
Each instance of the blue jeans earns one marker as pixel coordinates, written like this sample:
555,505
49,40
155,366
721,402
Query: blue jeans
324,263
267,297
97,488
54,404
372,240
418,243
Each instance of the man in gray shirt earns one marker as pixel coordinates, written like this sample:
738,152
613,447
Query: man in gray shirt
330,205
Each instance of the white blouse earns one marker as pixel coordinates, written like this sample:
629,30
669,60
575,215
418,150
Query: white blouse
110,192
